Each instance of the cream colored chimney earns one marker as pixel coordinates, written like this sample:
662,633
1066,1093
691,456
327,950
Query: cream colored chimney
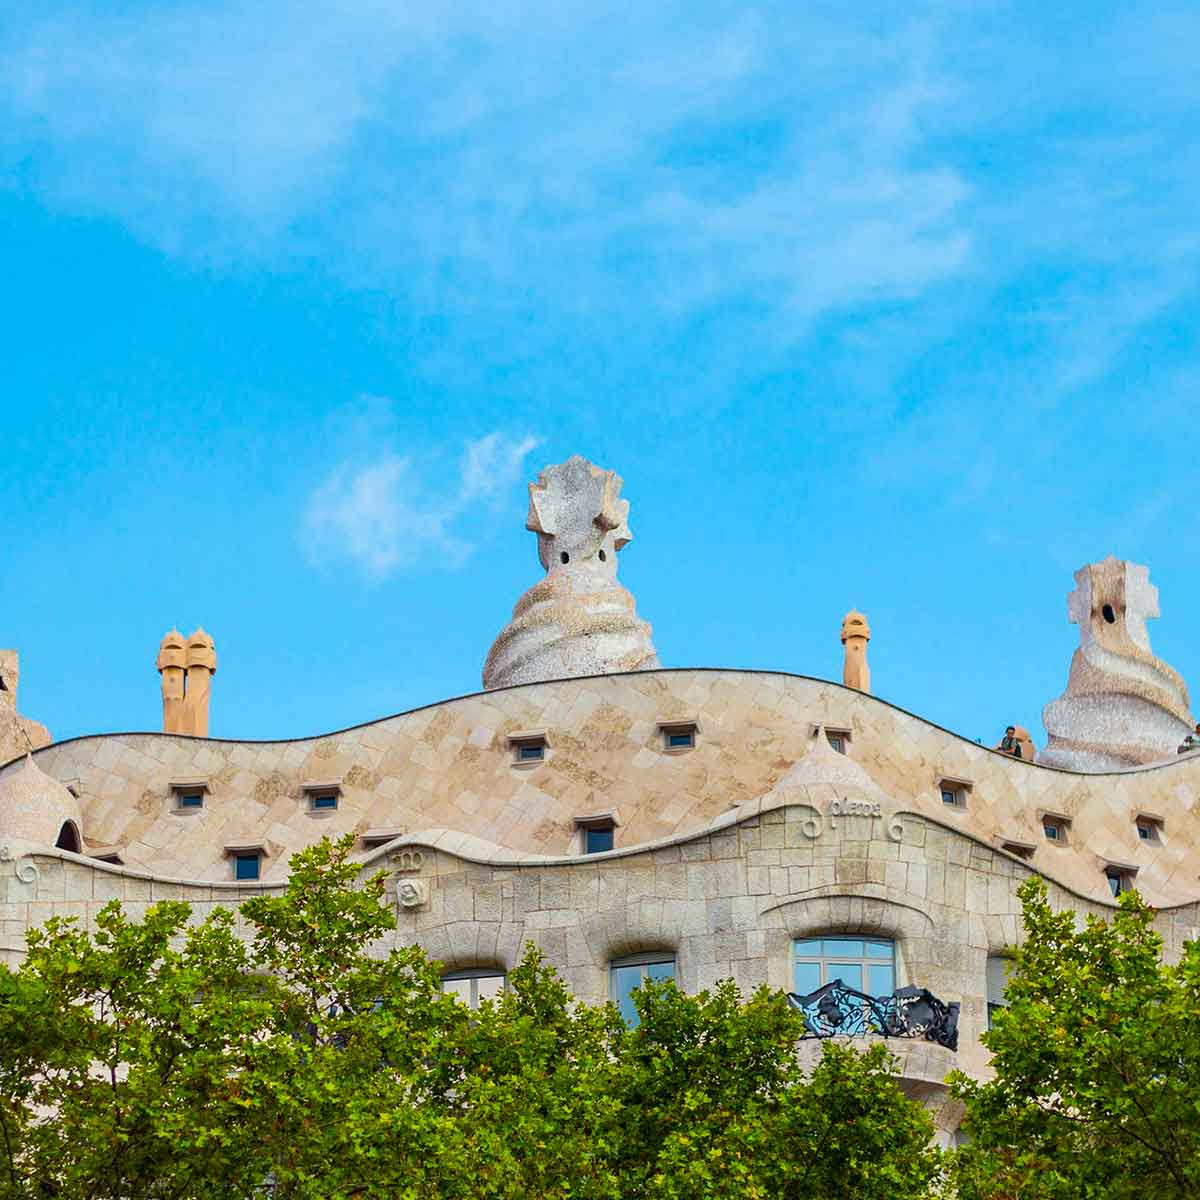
201,667
172,659
856,633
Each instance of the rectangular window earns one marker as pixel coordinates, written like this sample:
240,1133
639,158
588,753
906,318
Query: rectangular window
528,749
998,968
473,986
246,866
1055,828
954,792
678,735
626,974
864,964
598,840
189,799
1118,880
1149,828
324,800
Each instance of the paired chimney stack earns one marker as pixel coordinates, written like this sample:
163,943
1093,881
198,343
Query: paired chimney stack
187,667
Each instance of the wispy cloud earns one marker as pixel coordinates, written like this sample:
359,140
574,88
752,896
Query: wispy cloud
396,512
586,157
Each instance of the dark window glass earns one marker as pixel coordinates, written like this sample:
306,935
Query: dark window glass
325,800
245,866
597,841
838,742
1052,831
678,741
191,799
949,797
531,752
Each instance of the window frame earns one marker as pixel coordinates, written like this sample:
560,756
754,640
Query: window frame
1153,824
960,789
592,822
644,960
683,728
473,975
1059,821
991,1004
834,733
863,961
247,856
1123,875
523,741
187,789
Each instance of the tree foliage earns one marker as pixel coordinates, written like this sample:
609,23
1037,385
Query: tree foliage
1097,1059
277,1052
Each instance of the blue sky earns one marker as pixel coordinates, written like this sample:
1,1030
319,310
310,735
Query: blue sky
892,306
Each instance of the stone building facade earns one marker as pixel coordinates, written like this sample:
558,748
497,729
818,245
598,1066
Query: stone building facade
705,824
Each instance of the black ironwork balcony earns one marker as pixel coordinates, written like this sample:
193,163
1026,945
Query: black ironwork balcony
836,1010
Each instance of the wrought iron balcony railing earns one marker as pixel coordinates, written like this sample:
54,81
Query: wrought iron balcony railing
836,1010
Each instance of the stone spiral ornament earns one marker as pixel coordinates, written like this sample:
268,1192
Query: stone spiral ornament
1123,706
578,620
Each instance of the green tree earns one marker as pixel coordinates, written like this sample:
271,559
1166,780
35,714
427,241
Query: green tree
1097,1061
285,1056
714,1104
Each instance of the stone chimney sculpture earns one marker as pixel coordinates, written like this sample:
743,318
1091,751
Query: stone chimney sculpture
1122,706
578,620
18,734
187,668
856,633
172,666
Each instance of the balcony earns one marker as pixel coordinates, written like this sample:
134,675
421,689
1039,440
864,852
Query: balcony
836,1010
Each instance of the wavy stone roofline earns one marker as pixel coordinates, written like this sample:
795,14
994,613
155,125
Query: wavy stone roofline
450,766
476,851
660,671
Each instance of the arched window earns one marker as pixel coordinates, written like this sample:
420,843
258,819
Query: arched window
68,838
625,974
867,965
474,984
998,967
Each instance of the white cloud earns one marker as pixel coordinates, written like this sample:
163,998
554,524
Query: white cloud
391,513
584,156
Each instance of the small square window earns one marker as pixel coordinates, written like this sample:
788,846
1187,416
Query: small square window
324,801
1055,828
597,841
596,833
679,736
838,739
1149,828
187,795
1118,880
246,866
954,793
528,749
